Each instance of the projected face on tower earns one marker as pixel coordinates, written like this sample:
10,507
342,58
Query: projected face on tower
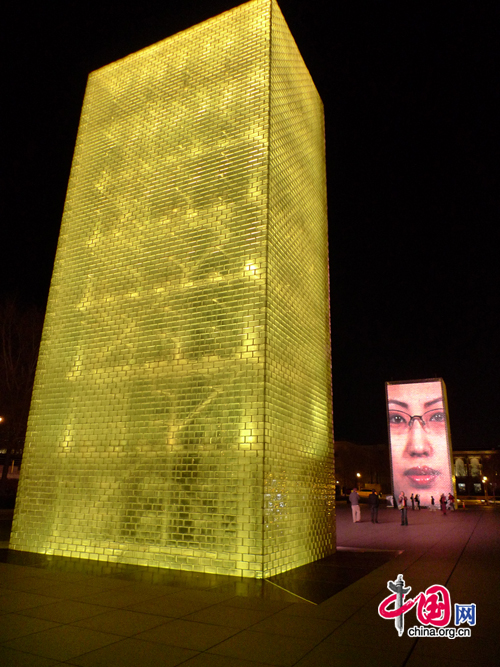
418,431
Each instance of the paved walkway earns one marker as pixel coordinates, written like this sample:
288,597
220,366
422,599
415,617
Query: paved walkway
72,612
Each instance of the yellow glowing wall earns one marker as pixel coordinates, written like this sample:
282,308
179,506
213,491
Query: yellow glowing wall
181,415
299,453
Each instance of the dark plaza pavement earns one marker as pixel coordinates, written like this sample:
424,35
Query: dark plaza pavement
58,611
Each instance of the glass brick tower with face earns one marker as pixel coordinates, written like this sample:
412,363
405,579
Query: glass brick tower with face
182,414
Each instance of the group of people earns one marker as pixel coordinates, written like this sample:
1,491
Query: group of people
373,502
446,503
415,500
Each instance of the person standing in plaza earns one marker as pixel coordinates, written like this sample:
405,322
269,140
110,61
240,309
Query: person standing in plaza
373,502
412,501
451,501
403,506
354,500
442,500
417,500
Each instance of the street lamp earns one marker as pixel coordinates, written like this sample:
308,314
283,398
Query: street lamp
485,482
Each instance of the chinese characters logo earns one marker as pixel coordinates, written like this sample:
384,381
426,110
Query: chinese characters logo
433,608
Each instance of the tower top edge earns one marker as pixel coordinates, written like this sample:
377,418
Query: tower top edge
202,25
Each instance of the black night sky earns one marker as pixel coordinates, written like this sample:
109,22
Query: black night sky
411,94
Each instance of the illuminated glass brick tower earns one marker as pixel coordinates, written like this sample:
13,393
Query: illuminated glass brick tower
182,411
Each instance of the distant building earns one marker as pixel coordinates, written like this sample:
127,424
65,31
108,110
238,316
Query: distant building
477,472
362,465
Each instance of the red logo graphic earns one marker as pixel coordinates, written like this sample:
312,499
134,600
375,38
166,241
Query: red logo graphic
433,606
